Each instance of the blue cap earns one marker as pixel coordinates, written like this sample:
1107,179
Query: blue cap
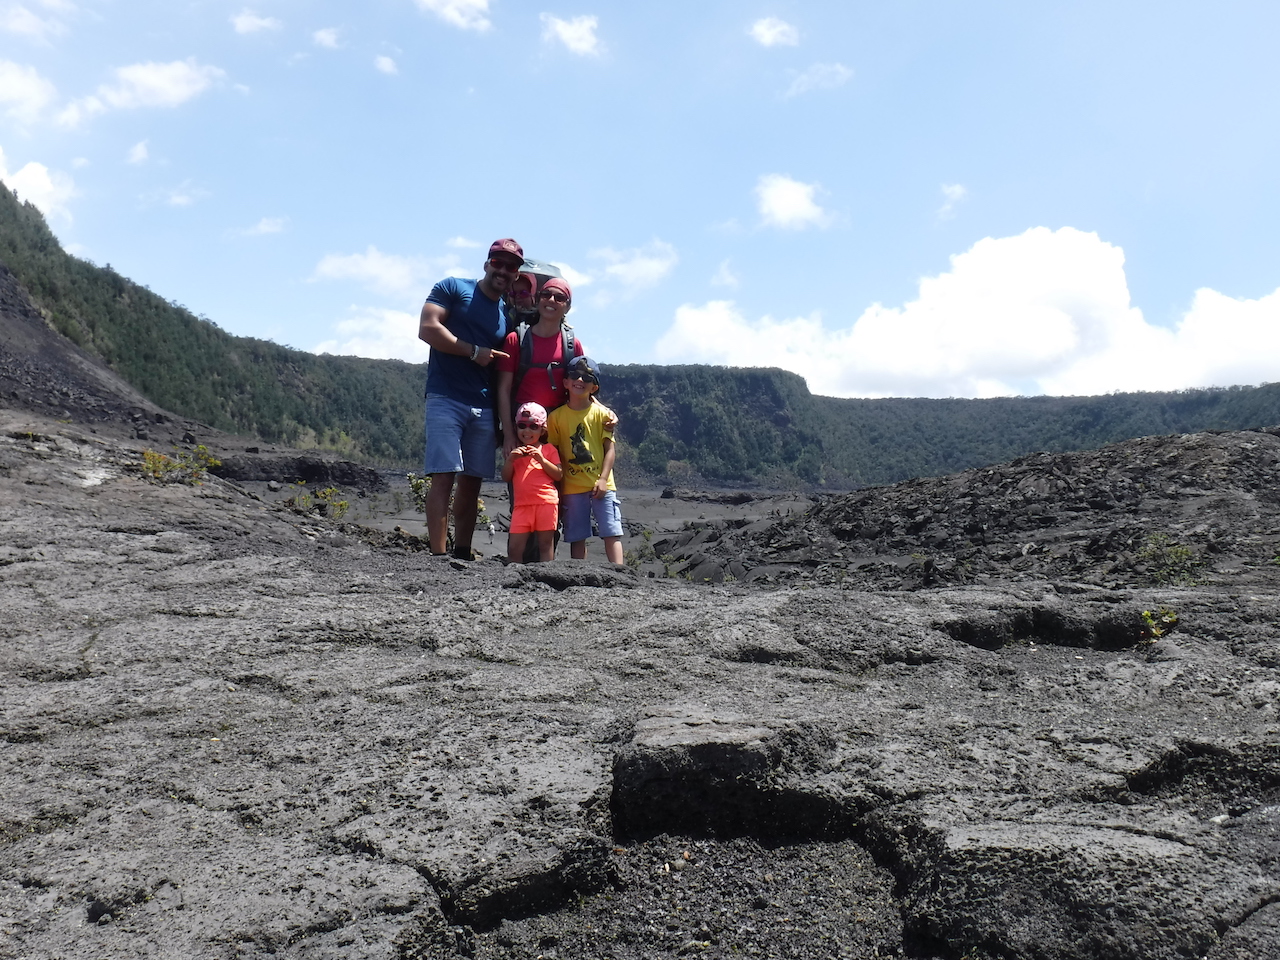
586,365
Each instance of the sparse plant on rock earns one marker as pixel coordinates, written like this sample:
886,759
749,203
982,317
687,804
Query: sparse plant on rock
327,502
1168,561
186,467
302,501
644,552
1156,623
419,487
331,503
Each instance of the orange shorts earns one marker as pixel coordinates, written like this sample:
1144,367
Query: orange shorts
532,517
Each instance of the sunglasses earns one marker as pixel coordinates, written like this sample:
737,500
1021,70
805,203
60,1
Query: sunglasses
580,375
552,295
511,265
528,425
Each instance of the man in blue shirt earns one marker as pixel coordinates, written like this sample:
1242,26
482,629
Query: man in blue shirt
463,323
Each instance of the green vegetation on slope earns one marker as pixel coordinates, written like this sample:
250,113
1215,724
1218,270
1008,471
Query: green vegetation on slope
187,364
731,426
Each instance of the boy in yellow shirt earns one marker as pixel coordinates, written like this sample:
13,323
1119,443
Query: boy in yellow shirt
580,430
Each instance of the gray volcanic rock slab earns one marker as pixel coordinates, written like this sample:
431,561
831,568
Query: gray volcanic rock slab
233,731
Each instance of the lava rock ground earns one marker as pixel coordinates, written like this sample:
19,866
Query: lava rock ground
934,720
231,730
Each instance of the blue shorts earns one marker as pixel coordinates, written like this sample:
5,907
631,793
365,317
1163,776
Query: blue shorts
460,439
577,510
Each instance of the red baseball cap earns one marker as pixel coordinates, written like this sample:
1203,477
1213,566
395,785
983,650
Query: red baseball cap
509,247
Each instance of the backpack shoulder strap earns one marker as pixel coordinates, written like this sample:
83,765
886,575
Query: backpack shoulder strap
526,352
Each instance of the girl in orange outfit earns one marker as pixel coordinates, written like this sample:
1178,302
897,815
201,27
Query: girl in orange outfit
533,470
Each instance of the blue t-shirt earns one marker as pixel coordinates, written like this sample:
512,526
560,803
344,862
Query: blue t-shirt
473,318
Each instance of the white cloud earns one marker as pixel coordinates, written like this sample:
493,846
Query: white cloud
789,204
640,267
952,193
578,34
49,190
159,84
23,92
1043,312
378,333
327,38
466,14
267,225
462,243
724,276
146,85
138,153
184,195
772,32
388,274
575,278
18,19
820,76
385,65
246,21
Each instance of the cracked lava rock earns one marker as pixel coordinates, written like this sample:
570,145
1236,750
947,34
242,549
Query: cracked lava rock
232,730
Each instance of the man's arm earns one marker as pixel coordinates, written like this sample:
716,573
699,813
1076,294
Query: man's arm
506,380
433,332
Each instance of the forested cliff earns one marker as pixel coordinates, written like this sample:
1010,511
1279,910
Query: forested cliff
718,424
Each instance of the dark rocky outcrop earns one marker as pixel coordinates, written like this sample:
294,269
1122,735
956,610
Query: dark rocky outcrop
299,468
1159,510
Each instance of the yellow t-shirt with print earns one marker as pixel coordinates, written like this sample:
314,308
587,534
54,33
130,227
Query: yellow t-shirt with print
579,436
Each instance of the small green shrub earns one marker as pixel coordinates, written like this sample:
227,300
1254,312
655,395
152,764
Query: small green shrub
1156,623
1168,561
633,558
301,501
186,467
332,504
419,487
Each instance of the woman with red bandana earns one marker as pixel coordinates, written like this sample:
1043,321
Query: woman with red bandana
543,381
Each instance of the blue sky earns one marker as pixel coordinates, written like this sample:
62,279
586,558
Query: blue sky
891,199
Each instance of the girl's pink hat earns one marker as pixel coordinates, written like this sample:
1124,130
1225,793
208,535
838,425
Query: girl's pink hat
531,413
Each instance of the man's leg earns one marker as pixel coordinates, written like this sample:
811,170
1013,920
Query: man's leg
438,512
578,550
464,514
445,422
